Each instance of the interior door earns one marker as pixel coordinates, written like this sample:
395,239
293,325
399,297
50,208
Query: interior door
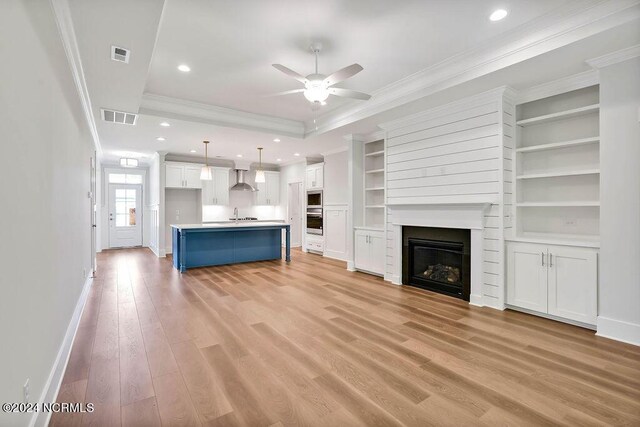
527,276
295,212
125,215
573,283
94,211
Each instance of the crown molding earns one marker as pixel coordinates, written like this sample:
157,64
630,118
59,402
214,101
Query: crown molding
565,25
565,84
181,109
615,57
334,151
64,22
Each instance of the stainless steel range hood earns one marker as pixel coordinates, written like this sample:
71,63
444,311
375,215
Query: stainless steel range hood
241,185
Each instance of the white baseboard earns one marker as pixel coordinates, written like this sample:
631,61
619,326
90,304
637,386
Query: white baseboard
52,386
340,256
476,300
618,330
393,278
351,266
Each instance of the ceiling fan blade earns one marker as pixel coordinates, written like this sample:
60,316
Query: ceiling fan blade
289,72
286,92
343,74
348,93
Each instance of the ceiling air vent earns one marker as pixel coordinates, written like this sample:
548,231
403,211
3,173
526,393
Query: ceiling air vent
119,117
120,54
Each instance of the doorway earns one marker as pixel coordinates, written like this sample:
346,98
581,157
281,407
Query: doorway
125,215
294,212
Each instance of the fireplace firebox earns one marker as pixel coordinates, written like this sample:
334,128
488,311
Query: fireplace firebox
438,260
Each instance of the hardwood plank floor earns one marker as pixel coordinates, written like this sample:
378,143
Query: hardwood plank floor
309,343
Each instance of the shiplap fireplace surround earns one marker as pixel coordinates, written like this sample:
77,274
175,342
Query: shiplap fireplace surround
468,216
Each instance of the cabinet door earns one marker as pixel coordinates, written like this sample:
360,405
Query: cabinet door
377,256
221,192
361,250
573,283
192,176
173,176
311,177
273,188
208,193
527,276
335,232
261,194
320,176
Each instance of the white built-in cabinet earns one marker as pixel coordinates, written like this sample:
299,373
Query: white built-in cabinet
369,250
182,175
561,281
315,176
268,193
216,191
335,231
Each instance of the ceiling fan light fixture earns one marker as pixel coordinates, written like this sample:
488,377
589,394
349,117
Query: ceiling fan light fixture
316,91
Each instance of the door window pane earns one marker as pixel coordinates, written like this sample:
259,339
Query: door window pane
125,203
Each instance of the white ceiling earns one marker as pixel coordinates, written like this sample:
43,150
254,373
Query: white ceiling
230,49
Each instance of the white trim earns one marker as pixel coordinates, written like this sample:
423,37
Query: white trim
476,300
550,316
556,87
615,57
64,22
567,24
618,330
334,151
164,106
54,381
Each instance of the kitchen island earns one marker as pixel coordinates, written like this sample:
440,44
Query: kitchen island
203,245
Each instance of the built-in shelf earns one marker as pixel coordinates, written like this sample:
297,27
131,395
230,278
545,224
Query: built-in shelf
558,239
558,204
557,145
558,174
374,189
375,171
375,154
574,112
371,228
374,206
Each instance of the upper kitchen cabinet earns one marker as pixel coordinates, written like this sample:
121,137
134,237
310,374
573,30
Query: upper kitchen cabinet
182,175
268,193
315,176
216,191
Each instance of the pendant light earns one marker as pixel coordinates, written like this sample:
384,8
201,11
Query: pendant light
205,173
259,171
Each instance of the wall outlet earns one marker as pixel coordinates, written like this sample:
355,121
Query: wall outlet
570,222
26,391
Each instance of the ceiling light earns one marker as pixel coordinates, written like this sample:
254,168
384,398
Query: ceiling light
316,91
165,124
205,172
259,172
192,151
278,160
128,163
238,155
184,68
160,139
498,15
296,154
276,140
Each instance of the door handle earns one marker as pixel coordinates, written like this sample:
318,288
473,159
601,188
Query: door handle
550,260
542,258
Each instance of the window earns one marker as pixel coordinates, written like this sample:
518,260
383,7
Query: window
125,178
125,207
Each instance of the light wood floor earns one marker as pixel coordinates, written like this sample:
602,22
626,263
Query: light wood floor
312,344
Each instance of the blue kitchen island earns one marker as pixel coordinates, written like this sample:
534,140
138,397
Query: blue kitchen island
203,245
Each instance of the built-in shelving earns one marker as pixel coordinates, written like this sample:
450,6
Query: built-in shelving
374,186
375,171
558,145
556,170
375,206
559,174
375,154
374,189
566,114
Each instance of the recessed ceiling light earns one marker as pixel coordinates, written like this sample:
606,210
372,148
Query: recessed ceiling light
238,155
276,140
192,151
184,68
160,139
296,154
165,124
278,160
498,15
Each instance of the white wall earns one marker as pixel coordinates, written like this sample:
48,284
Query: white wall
46,148
336,205
181,207
619,303
336,177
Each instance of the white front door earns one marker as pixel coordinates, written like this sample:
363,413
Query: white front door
294,200
125,215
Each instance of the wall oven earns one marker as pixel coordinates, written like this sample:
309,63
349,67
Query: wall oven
314,199
314,221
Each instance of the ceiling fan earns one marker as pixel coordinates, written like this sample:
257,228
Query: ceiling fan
318,87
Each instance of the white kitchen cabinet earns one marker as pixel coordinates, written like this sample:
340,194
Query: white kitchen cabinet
268,193
182,175
216,191
314,243
558,280
369,247
315,176
335,231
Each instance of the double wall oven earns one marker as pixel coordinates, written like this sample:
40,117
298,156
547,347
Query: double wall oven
314,212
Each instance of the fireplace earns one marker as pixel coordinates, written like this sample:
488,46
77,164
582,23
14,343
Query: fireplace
437,259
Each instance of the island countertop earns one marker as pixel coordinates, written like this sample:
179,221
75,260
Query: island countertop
232,224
